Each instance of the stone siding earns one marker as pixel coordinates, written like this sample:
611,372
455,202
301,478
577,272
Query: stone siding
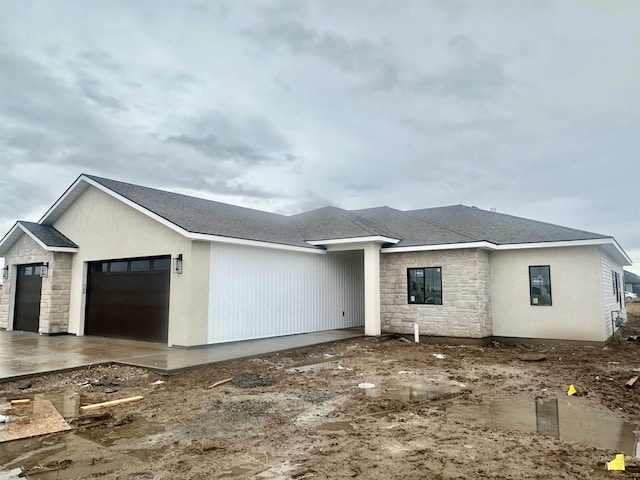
466,308
56,287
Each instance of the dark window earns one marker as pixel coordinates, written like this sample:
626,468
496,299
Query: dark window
424,285
540,285
119,266
162,264
37,270
140,265
99,267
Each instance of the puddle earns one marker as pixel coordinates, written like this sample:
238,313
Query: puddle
566,420
14,473
336,426
416,392
138,428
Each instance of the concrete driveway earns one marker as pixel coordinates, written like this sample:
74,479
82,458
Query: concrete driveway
25,354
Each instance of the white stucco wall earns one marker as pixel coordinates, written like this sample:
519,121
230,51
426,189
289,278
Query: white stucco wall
576,312
263,292
105,228
466,304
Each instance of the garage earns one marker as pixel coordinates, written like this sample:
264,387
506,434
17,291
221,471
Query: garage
129,298
28,292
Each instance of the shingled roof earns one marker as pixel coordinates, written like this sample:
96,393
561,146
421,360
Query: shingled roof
45,235
457,224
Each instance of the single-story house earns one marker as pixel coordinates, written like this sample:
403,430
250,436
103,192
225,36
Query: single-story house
115,259
631,282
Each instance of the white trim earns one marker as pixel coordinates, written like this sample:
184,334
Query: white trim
512,246
339,241
253,243
64,196
185,233
444,246
42,245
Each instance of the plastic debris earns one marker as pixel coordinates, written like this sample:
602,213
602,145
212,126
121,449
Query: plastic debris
366,385
617,463
340,367
572,390
157,382
439,355
328,355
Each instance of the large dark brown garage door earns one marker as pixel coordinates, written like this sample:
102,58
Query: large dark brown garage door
28,291
129,298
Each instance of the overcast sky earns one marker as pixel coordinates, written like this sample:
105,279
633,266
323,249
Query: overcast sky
532,108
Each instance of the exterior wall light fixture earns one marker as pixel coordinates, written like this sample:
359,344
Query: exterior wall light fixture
5,272
44,270
177,264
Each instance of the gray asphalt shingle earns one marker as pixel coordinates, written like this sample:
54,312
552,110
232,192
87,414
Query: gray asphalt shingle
430,226
48,235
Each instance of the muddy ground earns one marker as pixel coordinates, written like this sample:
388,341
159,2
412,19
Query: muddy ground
467,412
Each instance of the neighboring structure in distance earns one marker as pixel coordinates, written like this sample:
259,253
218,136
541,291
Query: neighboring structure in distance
115,259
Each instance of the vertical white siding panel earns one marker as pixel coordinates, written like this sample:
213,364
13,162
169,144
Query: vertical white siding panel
609,297
259,292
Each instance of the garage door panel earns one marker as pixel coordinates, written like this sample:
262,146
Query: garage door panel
128,304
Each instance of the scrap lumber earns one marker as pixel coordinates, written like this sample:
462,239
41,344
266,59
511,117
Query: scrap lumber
111,403
22,401
221,382
631,382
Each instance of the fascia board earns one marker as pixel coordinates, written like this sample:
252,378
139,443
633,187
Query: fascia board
40,243
338,241
253,243
514,246
8,236
444,246
70,191
180,230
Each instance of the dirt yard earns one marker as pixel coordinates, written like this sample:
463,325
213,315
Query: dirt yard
436,412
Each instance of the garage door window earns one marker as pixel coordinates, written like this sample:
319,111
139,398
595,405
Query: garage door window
161,264
119,266
140,265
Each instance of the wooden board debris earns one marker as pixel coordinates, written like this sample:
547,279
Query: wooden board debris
23,401
111,403
631,382
37,418
221,382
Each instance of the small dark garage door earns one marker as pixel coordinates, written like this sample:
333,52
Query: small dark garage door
129,298
28,291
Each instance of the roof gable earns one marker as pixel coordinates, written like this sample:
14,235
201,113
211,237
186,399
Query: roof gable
46,236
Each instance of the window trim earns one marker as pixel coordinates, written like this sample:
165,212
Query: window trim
550,304
424,270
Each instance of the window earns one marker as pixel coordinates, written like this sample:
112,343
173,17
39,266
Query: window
119,266
540,285
140,265
425,285
161,263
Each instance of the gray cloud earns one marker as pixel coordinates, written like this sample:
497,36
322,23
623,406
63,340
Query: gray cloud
357,56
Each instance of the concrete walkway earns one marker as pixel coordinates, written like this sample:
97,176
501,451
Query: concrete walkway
24,354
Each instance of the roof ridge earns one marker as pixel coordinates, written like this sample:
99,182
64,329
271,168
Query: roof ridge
439,225
169,192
